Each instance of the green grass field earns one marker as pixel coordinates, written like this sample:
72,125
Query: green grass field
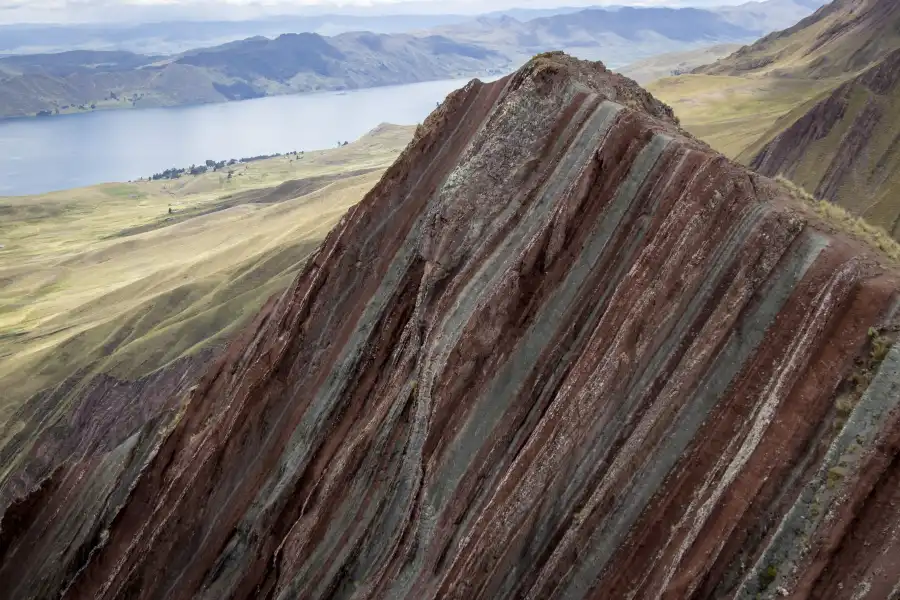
732,113
105,279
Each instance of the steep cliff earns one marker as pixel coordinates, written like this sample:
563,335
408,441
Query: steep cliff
847,147
561,350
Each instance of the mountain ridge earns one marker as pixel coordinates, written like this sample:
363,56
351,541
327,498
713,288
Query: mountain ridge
840,38
561,349
252,68
741,102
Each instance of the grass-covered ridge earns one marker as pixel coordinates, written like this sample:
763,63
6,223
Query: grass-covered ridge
741,102
817,103
733,113
846,148
839,217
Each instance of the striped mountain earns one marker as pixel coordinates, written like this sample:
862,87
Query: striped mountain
561,350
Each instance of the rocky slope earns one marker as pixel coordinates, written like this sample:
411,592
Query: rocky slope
846,148
79,80
844,36
561,350
742,102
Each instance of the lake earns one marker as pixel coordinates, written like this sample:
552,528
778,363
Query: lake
55,153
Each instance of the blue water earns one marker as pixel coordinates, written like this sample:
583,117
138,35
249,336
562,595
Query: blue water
55,153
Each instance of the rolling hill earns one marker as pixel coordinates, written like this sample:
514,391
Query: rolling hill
675,63
846,148
106,296
87,80
741,102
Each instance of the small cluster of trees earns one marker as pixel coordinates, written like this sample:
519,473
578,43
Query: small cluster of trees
260,157
213,165
172,173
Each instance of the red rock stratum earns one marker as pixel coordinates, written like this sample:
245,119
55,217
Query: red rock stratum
561,350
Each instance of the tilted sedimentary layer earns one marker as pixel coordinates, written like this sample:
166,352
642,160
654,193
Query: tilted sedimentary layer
847,147
561,350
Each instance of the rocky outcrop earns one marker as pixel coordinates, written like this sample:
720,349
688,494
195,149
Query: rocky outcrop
847,147
561,350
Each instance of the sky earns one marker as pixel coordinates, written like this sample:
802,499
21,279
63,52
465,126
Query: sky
74,11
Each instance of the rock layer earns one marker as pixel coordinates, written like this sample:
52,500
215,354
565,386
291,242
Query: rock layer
561,350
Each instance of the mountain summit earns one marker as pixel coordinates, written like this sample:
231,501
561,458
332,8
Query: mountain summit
561,350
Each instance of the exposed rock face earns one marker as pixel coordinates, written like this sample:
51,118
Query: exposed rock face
105,413
562,350
847,147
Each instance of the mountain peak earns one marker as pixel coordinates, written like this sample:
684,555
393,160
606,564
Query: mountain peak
560,68
560,350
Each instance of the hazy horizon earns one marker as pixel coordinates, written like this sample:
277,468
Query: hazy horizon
72,12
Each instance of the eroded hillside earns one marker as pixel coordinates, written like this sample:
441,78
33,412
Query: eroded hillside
844,36
742,102
846,148
561,350
113,298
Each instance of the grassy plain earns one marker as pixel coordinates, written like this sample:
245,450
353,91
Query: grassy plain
105,279
735,113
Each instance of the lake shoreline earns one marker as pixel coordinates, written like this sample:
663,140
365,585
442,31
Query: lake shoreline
489,73
44,155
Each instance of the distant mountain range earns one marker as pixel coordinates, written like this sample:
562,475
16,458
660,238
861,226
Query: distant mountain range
88,80
624,34
83,80
172,36
616,36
